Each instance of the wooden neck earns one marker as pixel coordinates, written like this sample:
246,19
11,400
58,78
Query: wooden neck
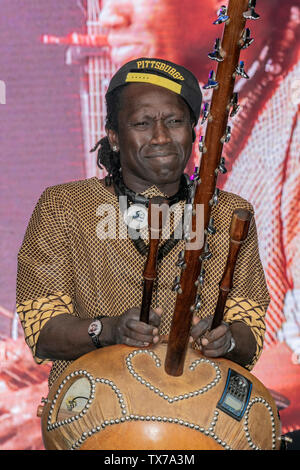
214,140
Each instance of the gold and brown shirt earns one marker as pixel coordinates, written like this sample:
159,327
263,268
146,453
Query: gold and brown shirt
64,266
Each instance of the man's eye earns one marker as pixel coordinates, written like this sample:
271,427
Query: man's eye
175,122
141,124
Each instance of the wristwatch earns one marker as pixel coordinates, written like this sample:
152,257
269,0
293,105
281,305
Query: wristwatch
94,331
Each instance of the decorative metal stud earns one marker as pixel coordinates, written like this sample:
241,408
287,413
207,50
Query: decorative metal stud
246,429
222,15
185,396
217,52
212,82
251,13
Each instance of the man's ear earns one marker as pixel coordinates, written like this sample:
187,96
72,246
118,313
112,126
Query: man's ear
113,139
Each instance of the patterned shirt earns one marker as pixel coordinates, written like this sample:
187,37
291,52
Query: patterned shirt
65,266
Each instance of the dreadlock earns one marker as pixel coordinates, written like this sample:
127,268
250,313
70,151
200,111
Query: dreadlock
106,157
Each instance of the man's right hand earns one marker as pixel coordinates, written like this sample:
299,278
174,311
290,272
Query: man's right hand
66,336
131,331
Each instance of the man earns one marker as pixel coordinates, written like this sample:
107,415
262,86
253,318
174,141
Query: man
69,274
263,153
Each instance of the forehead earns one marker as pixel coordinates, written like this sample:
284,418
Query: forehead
142,96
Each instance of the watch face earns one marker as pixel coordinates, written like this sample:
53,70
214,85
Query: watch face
95,328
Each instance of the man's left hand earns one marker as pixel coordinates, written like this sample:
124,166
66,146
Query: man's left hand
214,343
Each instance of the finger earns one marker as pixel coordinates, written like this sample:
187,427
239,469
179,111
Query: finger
216,352
159,311
144,338
217,348
131,337
216,333
141,331
219,343
199,327
134,342
155,316
139,326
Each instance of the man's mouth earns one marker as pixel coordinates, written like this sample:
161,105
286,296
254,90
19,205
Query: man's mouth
162,155
125,48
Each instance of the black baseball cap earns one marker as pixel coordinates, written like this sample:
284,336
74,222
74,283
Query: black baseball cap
162,73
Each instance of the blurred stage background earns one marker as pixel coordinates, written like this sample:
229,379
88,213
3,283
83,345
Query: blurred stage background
56,59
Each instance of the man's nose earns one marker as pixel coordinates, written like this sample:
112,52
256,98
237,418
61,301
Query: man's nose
160,133
114,14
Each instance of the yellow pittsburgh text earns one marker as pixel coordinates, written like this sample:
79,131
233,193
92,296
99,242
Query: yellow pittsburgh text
155,64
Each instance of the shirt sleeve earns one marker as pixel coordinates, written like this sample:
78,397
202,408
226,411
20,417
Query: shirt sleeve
44,276
249,297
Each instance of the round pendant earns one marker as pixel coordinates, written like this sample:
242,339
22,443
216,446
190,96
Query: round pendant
136,217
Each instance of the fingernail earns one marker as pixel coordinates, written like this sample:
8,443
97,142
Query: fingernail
204,342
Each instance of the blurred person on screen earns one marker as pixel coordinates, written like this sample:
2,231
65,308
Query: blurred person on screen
263,154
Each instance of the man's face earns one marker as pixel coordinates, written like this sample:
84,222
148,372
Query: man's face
171,29
154,137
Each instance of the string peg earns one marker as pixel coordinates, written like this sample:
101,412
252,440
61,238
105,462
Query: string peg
201,277
181,262
211,229
235,107
215,199
212,82
206,254
251,14
205,112
240,70
217,52
198,303
196,176
222,15
246,40
202,148
221,167
176,286
226,137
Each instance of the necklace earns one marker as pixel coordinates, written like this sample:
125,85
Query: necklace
184,193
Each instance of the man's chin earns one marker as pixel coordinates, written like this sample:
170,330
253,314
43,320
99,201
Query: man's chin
164,178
